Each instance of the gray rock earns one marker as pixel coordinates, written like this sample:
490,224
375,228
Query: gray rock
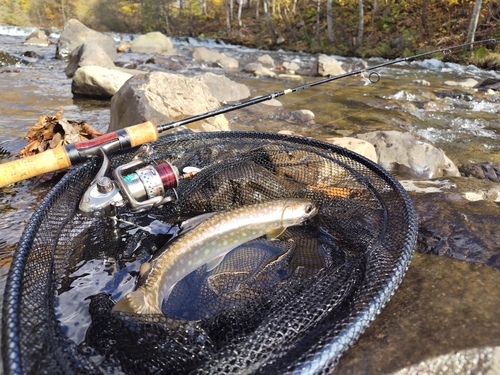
76,33
488,84
6,59
224,89
164,97
291,65
154,42
326,65
266,61
469,82
98,82
356,145
258,70
205,55
89,53
406,155
37,38
488,170
229,63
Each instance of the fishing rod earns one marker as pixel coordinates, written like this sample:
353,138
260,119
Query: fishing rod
136,135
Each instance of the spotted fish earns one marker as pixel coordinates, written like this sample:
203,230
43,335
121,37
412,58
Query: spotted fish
208,243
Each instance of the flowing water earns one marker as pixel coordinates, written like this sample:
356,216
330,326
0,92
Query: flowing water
463,122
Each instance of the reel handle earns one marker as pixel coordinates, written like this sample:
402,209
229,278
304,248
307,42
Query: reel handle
63,157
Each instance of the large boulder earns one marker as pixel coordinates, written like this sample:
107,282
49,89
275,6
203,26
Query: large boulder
154,42
406,155
164,97
37,38
325,66
88,54
98,82
76,33
224,89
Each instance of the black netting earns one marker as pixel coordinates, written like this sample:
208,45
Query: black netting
286,306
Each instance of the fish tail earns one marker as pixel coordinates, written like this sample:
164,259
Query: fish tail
136,302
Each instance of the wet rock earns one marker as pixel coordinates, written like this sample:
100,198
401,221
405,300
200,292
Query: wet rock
470,189
469,82
37,38
76,33
405,155
205,55
163,97
356,145
6,59
258,70
154,42
31,55
489,171
228,63
89,53
442,306
224,89
291,66
326,65
98,82
488,84
452,226
266,61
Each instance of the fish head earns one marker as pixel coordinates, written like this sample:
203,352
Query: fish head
297,211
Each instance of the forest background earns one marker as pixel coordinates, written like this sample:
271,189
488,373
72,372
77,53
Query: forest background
363,28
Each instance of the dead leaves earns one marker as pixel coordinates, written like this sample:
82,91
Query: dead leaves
54,131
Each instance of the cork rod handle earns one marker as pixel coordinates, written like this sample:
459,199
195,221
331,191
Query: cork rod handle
31,166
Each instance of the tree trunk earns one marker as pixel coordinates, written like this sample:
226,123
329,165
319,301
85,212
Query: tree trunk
227,5
329,21
473,22
318,10
423,17
361,25
240,6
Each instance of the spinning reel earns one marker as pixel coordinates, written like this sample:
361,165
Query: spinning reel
136,185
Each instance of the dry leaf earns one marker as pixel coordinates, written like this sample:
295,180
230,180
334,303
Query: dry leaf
54,131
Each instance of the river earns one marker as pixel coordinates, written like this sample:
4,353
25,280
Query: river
464,123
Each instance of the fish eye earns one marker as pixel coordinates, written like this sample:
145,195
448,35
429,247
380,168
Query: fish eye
309,208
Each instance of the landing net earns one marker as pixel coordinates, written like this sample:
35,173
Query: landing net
293,305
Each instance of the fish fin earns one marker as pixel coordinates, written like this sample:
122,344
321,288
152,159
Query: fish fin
193,222
275,233
135,302
144,269
215,262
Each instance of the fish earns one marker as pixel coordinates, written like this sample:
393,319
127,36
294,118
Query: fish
208,243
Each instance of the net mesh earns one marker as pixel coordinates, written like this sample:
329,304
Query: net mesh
288,306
